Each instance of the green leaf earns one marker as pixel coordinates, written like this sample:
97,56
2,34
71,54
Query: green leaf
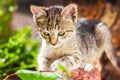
35,75
63,69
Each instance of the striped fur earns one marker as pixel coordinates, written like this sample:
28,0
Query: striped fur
81,44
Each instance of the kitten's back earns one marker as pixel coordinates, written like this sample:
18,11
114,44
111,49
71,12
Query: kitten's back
86,34
86,26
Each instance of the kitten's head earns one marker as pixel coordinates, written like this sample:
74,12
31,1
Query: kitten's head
55,23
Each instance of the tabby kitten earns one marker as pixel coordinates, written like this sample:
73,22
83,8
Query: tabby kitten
69,41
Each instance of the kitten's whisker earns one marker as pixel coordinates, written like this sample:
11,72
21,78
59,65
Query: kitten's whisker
35,32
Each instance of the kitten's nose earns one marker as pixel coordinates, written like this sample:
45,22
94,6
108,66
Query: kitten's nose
54,42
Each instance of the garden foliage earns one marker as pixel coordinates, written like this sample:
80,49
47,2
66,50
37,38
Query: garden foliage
17,49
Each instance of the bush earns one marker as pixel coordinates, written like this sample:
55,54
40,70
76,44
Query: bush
7,7
19,52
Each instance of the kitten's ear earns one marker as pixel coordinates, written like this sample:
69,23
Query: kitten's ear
37,11
70,12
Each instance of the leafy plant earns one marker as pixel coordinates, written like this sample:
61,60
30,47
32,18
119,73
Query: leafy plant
34,75
7,7
19,52
61,74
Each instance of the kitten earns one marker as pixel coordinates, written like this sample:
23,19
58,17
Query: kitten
69,41
94,38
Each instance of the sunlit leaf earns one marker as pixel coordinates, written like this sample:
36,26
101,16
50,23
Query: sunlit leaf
34,75
1,12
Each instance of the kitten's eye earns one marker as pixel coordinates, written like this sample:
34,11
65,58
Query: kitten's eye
46,33
61,33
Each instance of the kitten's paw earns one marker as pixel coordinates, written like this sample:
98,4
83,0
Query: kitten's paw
54,66
88,67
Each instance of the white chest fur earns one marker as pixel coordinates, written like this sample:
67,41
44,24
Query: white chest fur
68,47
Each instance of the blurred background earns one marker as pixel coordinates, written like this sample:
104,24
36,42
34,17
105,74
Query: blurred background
19,41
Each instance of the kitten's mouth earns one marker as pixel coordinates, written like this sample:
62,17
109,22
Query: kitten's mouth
53,44
56,45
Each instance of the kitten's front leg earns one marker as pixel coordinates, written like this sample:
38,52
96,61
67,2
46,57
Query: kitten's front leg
69,62
88,64
43,63
88,67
